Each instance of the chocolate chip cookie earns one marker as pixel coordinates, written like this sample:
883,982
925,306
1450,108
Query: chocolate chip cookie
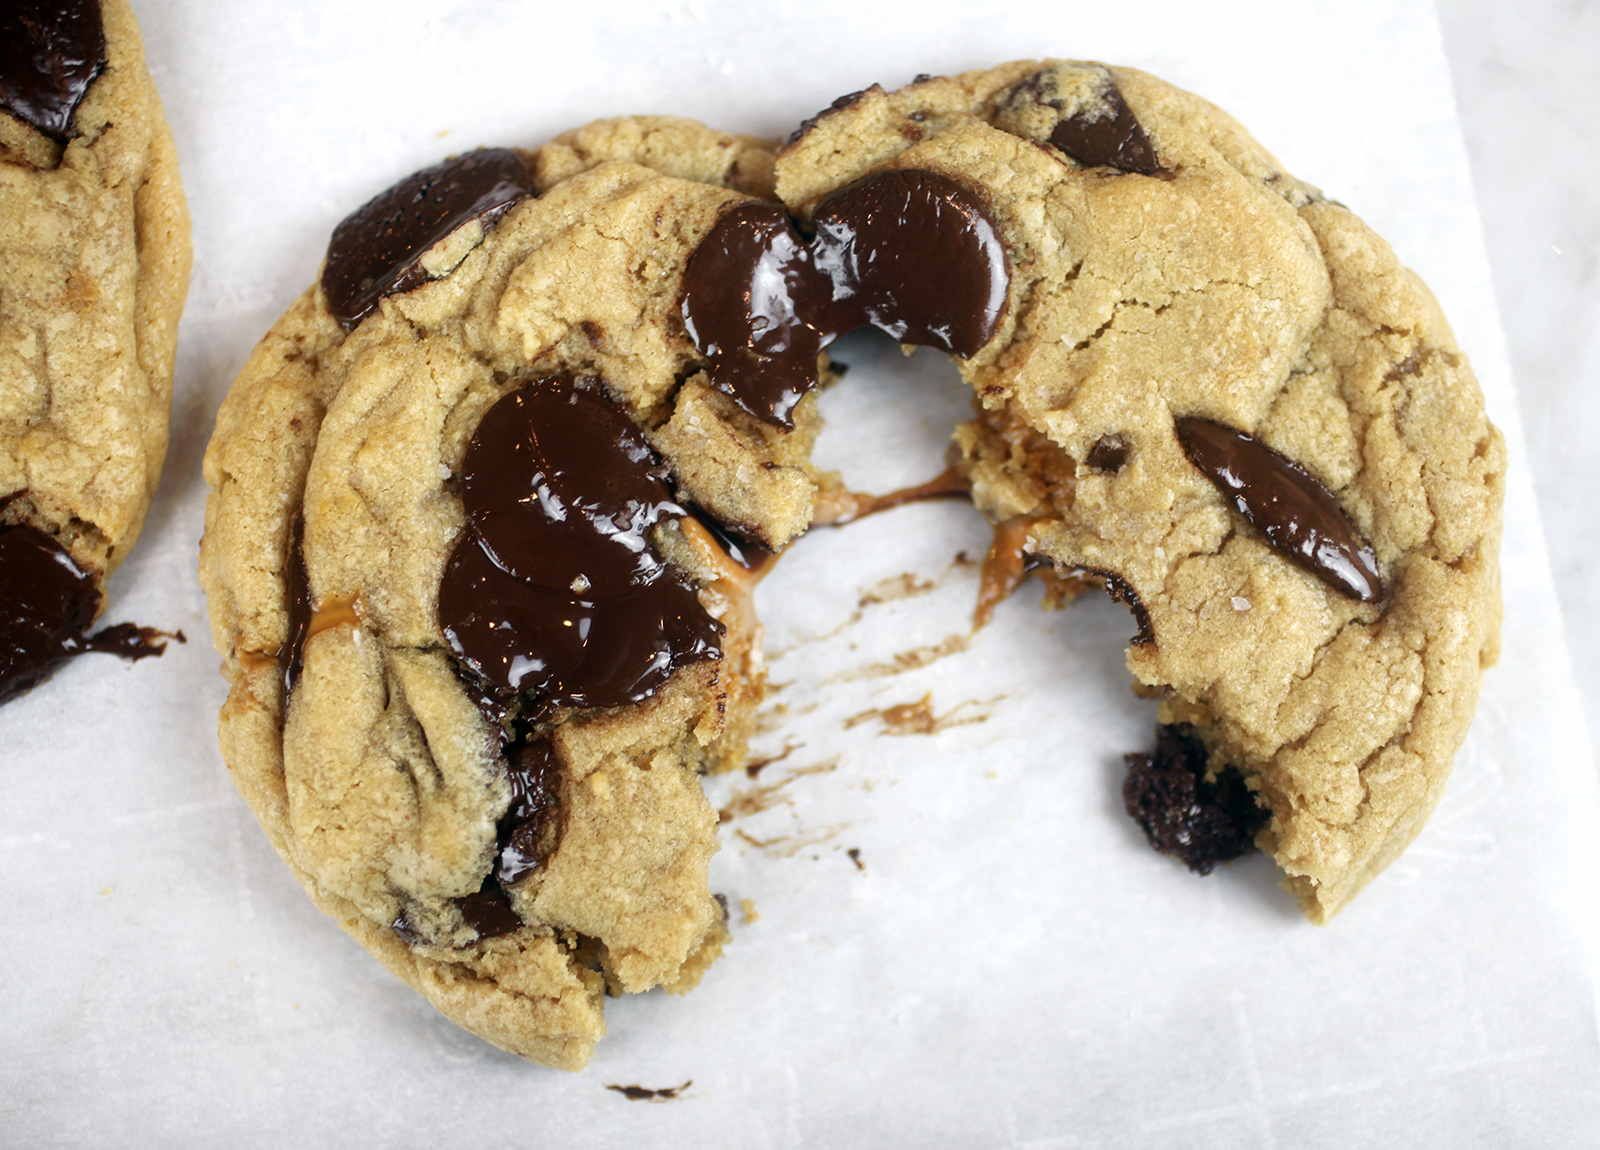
488,500
94,265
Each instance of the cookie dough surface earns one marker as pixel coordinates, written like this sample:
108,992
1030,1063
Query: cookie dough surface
94,263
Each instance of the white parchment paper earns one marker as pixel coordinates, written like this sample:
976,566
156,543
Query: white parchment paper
958,938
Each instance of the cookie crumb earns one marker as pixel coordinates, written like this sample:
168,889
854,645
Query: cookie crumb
645,1094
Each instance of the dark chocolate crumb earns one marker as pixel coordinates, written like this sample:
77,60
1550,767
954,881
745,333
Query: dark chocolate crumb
1183,814
644,1094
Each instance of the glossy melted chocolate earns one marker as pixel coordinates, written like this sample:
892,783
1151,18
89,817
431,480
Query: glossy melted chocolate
1298,515
528,829
46,605
377,250
555,589
50,52
911,253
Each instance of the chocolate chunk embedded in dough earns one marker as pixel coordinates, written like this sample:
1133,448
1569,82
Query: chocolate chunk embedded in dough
755,303
563,490
377,250
556,589
1298,515
530,827
49,55
46,603
916,255
1086,118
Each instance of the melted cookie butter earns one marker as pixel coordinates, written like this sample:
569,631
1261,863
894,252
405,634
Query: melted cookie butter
378,249
50,52
46,605
555,588
912,253
1298,515
307,620
836,506
1005,566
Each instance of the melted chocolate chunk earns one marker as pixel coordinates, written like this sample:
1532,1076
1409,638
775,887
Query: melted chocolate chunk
488,911
1109,453
600,621
911,253
297,591
1299,516
1122,592
1183,815
916,256
49,55
755,303
557,469
377,250
46,605
529,830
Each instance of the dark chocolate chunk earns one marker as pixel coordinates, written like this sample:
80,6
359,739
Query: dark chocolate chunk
297,595
1100,131
1183,814
754,302
917,256
130,641
1109,453
1299,516
1111,139
529,830
46,605
377,250
599,620
488,911
557,469
50,52
912,253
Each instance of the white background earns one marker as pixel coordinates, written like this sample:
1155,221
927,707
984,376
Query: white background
1012,967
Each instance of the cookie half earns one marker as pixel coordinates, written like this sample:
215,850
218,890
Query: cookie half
94,259
475,730
1217,393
